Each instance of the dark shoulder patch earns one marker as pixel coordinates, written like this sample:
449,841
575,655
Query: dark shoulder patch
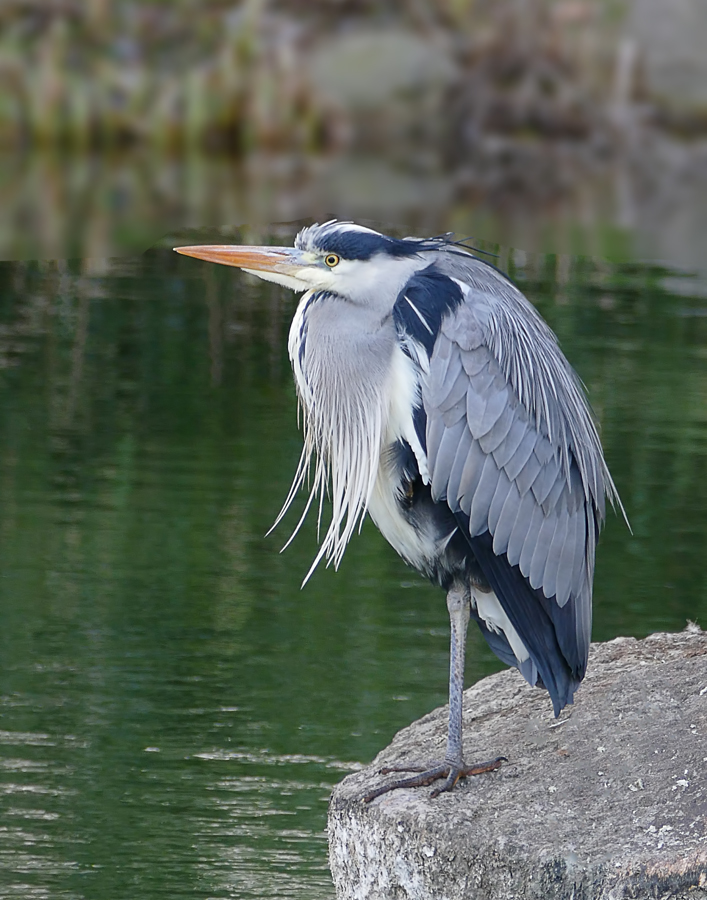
403,460
419,420
422,304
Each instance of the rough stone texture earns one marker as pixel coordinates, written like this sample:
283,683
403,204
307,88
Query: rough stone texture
609,801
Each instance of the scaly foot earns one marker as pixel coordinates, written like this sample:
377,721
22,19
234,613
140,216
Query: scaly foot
451,772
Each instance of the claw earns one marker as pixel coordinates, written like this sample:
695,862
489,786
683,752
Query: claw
449,782
451,772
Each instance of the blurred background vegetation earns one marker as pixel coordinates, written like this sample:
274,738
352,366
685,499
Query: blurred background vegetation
120,120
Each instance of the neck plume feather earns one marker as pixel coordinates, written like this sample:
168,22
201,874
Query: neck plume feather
344,416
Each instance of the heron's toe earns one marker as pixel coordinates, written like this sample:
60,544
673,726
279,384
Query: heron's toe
449,771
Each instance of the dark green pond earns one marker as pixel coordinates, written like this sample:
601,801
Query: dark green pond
173,709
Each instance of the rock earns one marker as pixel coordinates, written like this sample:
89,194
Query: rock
609,801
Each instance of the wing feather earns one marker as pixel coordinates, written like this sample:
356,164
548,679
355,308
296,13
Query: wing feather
460,459
522,454
579,563
501,494
456,396
446,371
521,532
565,567
495,436
506,520
525,479
505,450
444,459
553,498
474,360
542,548
495,405
470,476
546,479
554,554
543,449
482,497
530,540
482,383
475,408
435,429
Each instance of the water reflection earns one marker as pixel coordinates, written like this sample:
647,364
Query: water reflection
651,203
173,710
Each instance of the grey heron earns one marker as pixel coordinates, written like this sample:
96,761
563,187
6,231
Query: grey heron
437,401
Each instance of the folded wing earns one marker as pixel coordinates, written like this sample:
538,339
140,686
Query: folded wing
505,456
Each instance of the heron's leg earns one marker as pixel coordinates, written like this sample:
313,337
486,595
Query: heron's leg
458,604
452,768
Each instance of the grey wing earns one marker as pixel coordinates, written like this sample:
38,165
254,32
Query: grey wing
522,497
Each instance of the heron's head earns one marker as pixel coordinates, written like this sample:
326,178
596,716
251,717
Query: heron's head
356,263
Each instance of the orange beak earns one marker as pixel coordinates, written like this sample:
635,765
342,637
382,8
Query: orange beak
283,260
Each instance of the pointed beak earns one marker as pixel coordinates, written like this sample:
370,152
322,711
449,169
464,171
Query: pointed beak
280,260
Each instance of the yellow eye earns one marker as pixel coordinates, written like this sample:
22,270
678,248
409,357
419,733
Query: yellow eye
331,259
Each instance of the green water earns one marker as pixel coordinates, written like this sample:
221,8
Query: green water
173,709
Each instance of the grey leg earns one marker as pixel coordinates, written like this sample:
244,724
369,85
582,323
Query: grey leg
458,602
453,767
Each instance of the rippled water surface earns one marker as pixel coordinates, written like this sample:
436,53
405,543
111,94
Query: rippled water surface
174,711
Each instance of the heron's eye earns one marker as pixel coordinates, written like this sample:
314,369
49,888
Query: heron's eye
331,259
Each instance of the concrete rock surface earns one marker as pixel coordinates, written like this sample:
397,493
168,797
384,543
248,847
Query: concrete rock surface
609,801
